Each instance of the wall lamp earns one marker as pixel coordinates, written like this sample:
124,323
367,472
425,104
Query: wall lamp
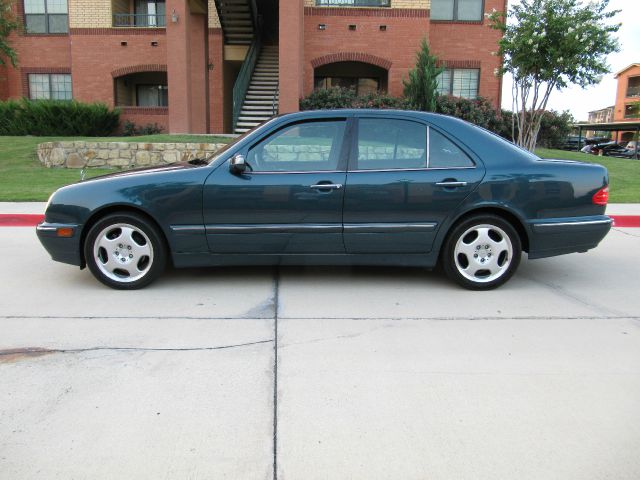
174,16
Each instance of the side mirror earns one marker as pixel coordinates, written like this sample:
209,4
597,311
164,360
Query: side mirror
237,164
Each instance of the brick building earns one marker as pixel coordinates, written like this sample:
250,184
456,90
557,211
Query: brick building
224,65
627,107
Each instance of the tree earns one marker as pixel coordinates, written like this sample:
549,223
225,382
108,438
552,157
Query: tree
8,24
420,89
548,45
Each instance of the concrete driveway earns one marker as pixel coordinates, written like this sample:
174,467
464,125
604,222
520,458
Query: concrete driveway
322,373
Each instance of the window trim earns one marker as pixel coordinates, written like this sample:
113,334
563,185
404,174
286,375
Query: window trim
46,15
454,18
48,74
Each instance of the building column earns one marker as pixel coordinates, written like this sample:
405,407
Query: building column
291,55
187,65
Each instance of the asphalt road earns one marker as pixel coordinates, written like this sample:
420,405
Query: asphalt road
324,373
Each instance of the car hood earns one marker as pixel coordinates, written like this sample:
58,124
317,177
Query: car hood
147,170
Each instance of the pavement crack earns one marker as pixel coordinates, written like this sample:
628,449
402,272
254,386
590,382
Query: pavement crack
626,233
37,351
276,304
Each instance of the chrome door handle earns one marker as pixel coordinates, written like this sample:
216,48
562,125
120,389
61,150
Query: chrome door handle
332,186
451,184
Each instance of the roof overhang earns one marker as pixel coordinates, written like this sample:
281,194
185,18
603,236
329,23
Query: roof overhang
625,69
609,127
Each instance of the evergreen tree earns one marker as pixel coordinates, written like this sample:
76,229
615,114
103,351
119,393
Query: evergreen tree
420,89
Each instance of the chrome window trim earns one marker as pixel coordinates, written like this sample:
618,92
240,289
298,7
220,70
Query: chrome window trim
295,172
412,169
428,146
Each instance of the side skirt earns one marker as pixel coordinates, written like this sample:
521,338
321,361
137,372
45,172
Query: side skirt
184,260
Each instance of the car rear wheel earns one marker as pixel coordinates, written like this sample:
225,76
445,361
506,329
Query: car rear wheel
125,251
482,252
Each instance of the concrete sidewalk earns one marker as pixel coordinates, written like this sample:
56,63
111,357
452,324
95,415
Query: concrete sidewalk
38,207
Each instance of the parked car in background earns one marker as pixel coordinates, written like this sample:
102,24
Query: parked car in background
344,187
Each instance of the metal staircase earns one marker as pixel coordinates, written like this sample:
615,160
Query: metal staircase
261,99
238,19
255,92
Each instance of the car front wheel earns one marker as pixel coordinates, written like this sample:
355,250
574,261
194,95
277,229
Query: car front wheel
125,251
482,252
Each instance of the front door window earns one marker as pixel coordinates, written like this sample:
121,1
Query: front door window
302,147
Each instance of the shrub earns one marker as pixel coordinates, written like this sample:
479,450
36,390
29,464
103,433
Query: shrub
130,129
57,117
329,99
338,97
478,111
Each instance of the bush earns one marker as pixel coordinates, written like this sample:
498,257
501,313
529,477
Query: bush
555,128
57,117
130,129
329,99
478,111
338,97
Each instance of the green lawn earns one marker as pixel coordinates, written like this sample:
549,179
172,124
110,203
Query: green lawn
624,174
22,178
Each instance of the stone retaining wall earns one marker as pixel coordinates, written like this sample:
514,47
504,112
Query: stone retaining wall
81,154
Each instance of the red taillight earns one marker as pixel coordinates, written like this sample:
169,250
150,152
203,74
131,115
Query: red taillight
601,197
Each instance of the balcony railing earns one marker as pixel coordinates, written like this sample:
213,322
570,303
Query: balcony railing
138,20
633,92
353,3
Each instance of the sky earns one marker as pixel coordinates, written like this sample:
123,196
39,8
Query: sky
581,101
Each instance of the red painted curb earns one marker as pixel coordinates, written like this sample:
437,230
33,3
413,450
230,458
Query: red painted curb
31,220
20,219
632,221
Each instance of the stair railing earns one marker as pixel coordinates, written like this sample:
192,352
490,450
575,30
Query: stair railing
244,78
276,98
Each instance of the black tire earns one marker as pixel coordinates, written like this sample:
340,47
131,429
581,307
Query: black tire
481,252
125,251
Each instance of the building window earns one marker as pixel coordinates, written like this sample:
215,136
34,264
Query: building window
361,86
633,87
152,96
46,16
457,10
459,82
632,110
49,86
150,13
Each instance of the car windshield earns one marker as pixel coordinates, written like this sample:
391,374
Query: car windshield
217,154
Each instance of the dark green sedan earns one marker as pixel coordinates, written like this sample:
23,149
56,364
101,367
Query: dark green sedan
345,187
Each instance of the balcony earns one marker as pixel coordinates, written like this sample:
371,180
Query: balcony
633,92
353,3
138,20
